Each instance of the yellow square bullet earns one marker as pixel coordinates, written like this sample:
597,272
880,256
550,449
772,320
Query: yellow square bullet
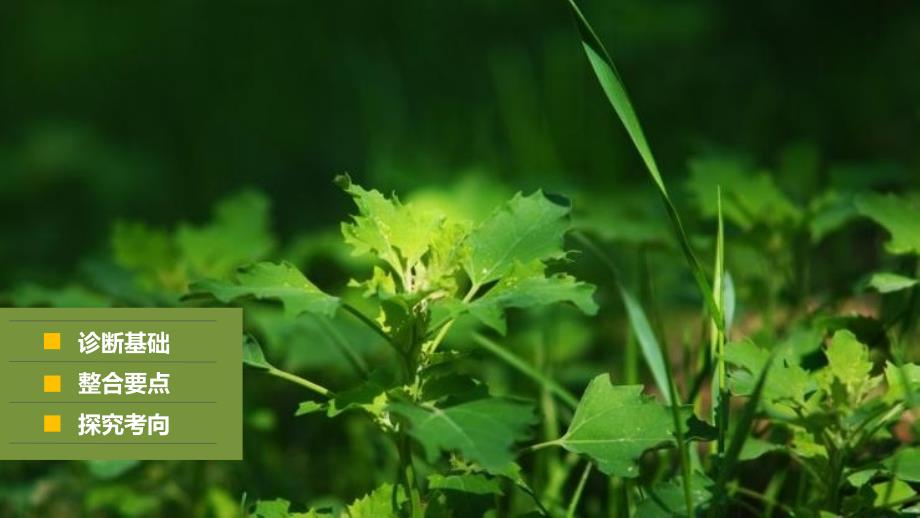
52,423
52,340
52,383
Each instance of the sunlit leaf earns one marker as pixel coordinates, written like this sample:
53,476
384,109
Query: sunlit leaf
527,229
282,282
886,282
527,286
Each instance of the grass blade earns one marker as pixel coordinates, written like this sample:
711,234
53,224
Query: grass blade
573,505
717,336
654,356
642,330
648,343
613,87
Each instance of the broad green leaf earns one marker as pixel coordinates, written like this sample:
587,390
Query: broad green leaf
848,360
282,282
892,492
901,381
399,234
805,445
238,234
483,431
886,282
900,218
527,229
905,464
615,425
474,483
377,504
527,286
789,383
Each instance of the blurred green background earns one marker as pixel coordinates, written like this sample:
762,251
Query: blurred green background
154,112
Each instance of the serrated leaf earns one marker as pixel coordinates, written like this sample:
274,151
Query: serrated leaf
483,430
848,360
887,282
399,234
282,282
615,425
789,383
528,228
527,286
473,483
898,216
377,504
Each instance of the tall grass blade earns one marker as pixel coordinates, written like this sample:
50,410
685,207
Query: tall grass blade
613,87
717,335
654,356
576,498
642,330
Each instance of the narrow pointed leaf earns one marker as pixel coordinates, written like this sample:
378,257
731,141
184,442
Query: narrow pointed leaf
613,88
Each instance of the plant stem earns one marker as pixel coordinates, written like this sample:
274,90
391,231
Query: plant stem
442,332
369,323
524,368
573,505
293,378
408,472
539,446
